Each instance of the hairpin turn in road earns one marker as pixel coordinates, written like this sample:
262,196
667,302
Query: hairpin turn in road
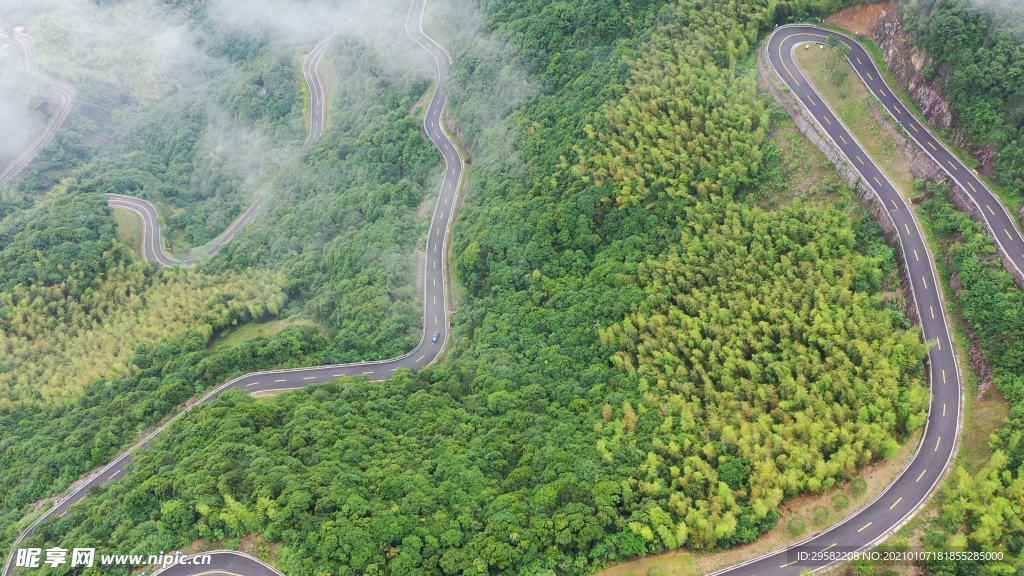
435,319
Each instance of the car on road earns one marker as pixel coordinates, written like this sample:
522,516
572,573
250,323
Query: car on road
434,337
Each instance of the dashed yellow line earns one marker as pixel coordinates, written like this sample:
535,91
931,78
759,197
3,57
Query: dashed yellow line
309,377
827,120
421,357
972,186
859,160
843,139
252,383
281,380
907,226
993,212
900,499
813,103
943,410
1010,236
790,564
864,527
933,146
897,109
883,92
877,180
925,280
115,473
870,76
932,308
370,372
916,257
336,375
950,162
894,204
834,544
859,62
921,476
943,376
937,442
914,127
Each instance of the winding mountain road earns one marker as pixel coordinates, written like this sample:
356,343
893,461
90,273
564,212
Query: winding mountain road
318,98
432,341
910,490
56,121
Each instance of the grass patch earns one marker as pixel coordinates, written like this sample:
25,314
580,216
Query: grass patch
983,418
256,329
851,100
129,229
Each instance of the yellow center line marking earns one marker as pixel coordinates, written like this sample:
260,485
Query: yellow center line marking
435,299
950,162
877,180
790,564
1010,236
115,473
843,139
435,281
435,319
421,358
921,476
783,60
309,377
438,231
827,547
435,264
859,62
813,103
943,376
370,372
827,120
990,209
939,340
937,442
914,127
870,76
896,502
863,528
446,199
943,410
435,246
449,185
972,186
894,204
897,109
932,308
393,369
281,380
933,146
859,160
883,92
916,257
252,383
925,280
907,226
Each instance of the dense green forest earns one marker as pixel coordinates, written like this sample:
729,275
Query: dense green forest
617,150
979,50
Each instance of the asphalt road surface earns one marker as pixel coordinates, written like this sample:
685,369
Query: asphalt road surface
432,341
903,497
152,240
318,99
66,96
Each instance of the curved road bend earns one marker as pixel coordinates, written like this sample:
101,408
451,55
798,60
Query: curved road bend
318,98
902,498
152,240
66,96
424,354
